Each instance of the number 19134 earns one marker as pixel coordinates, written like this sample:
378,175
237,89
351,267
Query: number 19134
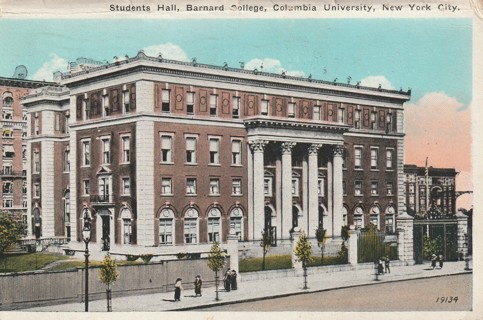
447,299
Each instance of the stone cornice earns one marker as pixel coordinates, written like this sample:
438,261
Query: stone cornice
295,124
23,83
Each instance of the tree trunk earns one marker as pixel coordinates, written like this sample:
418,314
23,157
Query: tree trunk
109,298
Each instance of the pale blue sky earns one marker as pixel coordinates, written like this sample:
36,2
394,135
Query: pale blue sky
427,55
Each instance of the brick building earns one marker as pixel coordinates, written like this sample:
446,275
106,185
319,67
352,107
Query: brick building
162,153
14,147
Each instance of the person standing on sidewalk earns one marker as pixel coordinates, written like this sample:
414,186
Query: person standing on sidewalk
386,265
227,281
233,280
441,259
198,284
433,261
177,290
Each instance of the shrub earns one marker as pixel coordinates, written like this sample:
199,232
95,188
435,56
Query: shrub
132,257
146,257
343,254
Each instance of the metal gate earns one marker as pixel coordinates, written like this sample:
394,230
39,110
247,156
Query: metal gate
435,237
373,244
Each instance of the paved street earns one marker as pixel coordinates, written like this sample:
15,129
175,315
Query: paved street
412,295
269,288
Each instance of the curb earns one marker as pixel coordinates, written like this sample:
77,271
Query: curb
308,291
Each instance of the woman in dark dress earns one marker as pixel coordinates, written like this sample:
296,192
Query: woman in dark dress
198,284
177,290
227,280
233,280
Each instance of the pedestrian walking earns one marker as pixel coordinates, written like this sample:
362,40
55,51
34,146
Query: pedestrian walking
233,280
177,290
380,268
198,282
441,259
227,280
433,260
386,265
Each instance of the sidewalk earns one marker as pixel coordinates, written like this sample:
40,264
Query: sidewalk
260,289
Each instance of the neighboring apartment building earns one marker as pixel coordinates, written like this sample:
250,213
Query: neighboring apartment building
162,153
430,188
14,147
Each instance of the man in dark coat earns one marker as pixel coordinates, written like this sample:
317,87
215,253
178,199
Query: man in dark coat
198,284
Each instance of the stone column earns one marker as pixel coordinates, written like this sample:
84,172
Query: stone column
296,264
286,189
278,194
327,220
313,195
352,246
258,193
462,228
304,190
405,238
47,188
337,219
232,250
250,224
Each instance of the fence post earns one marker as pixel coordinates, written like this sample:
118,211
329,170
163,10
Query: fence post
232,250
405,239
352,250
297,265
462,227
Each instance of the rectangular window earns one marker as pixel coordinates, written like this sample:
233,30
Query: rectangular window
236,107
191,186
126,149
166,231
411,188
357,157
214,151
36,190
316,115
267,186
125,101
165,101
36,125
236,152
390,191
213,99
126,187
389,122
214,187
85,106
190,230
213,229
190,150
357,119
374,188
344,188
86,153
66,161
127,231
295,187
358,188
190,102
105,104
373,120
264,107
166,186
236,187
389,159
104,189
320,187
374,153
106,150
57,122
36,162
166,148
291,109
86,187
341,115
236,224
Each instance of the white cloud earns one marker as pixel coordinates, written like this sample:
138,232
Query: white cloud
168,50
375,81
47,70
272,66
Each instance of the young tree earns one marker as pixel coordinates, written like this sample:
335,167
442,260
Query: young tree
303,252
265,244
321,235
10,233
108,273
216,262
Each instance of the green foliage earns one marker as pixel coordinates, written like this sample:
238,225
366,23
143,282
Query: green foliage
146,257
432,246
10,231
344,232
303,249
370,227
132,257
327,261
27,261
216,259
108,272
343,254
371,245
266,241
321,236
271,263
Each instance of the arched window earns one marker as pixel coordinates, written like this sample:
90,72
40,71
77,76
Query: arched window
344,215
67,214
37,222
126,218
390,214
7,187
359,217
7,99
191,226
166,230
236,222
374,216
214,225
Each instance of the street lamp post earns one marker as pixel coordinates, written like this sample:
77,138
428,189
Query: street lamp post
467,259
86,236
